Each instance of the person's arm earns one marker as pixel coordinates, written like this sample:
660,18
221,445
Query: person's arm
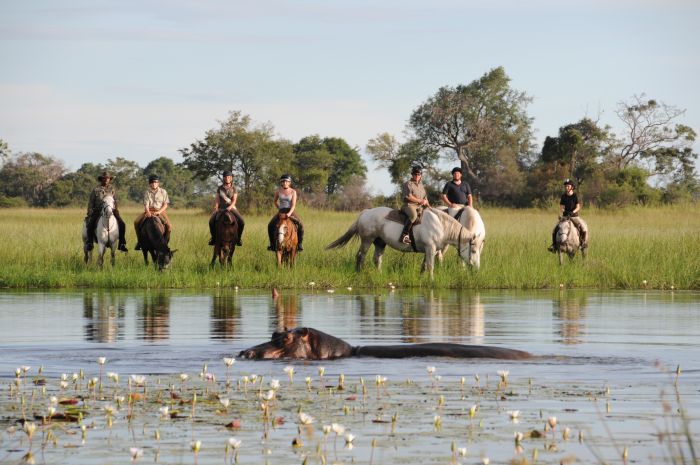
146,204
91,200
216,201
294,202
275,200
447,201
166,202
577,209
233,202
469,200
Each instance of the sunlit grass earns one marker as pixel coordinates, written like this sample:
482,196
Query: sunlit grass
42,249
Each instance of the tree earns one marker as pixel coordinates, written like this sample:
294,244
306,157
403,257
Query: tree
129,178
29,176
476,122
653,135
347,164
5,152
398,158
248,150
180,182
326,164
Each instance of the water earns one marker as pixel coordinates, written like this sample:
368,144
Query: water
602,358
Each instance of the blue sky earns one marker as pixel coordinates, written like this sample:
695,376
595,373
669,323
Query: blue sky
89,80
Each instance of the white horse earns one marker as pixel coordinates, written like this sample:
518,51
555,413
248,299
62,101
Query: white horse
436,230
106,232
567,240
470,219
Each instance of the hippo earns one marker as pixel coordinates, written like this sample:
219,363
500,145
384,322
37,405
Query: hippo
312,344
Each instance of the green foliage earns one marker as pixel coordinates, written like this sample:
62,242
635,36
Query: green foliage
326,165
483,123
29,176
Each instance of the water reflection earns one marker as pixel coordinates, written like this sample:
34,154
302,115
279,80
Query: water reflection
570,309
153,314
225,315
103,312
443,316
285,312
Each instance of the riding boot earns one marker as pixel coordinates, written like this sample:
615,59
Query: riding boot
92,224
584,239
553,248
404,233
300,236
241,226
271,226
166,236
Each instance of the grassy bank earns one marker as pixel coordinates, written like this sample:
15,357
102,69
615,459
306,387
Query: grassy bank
656,248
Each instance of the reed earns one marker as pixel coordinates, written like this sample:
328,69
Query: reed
655,248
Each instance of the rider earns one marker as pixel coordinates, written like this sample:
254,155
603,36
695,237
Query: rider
569,206
225,201
414,197
155,202
457,193
93,210
285,201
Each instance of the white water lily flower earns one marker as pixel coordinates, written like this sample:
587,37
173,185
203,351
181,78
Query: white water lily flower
462,451
234,443
138,380
184,377
114,377
196,446
101,360
275,383
229,361
53,400
136,453
504,375
164,411
430,370
305,418
337,428
225,401
349,438
514,415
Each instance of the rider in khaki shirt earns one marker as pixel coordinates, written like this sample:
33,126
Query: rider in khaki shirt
155,202
414,196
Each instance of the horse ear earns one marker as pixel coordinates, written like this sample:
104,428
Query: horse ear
172,252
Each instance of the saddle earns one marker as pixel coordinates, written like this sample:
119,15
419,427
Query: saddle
400,217
229,217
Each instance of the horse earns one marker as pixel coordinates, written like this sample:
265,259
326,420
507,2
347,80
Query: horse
287,242
151,237
226,228
567,240
436,230
106,232
471,219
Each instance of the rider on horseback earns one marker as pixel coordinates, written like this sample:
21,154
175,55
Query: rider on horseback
285,201
225,201
569,206
155,202
414,196
457,193
94,206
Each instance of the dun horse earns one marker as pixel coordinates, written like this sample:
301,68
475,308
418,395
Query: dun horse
226,238
471,219
567,240
152,240
106,233
287,242
436,230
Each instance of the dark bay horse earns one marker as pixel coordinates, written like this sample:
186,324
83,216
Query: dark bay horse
226,238
287,241
151,236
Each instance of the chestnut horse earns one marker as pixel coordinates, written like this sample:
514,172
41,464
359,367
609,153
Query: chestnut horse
287,241
226,228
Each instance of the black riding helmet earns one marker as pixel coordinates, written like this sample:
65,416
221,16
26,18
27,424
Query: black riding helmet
227,173
285,177
569,182
153,177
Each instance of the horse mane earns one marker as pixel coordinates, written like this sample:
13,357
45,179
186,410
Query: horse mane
451,226
154,230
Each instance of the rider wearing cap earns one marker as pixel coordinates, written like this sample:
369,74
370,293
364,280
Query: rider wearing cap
225,201
457,193
285,201
155,202
414,196
570,206
93,210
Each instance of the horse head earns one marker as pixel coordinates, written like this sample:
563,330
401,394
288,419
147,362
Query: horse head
469,250
107,206
164,258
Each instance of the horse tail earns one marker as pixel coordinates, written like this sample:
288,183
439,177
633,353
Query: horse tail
345,238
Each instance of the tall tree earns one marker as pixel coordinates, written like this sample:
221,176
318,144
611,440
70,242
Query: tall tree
4,152
347,164
398,158
29,176
652,134
476,122
327,163
129,178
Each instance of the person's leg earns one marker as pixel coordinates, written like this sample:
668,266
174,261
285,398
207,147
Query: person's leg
241,225
212,225
412,215
582,229
168,227
552,248
300,232
122,231
271,226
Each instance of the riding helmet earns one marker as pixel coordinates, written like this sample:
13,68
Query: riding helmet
104,175
153,177
569,182
227,173
286,177
416,170
456,169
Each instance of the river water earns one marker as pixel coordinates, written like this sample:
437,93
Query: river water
606,362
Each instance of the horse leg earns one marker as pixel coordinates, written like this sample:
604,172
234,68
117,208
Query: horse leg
100,255
114,249
292,257
279,257
379,253
229,257
561,257
214,254
362,251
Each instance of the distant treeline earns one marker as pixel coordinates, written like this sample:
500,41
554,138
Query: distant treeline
482,126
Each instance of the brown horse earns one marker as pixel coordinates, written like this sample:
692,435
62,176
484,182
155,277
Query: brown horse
226,228
153,240
287,241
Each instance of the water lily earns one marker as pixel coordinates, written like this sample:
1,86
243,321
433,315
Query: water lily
225,402
518,436
514,415
337,428
29,428
462,451
195,446
504,375
472,411
430,370
305,418
321,371
164,412
101,360
138,380
234,443
349,438
275,384
114,377
290,372
136,453
184,377
326,430
485,460
229,361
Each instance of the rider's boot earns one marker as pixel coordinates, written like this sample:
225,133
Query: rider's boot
584,239
122,247
300,236
404,233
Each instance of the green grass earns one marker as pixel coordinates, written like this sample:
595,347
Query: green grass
42,249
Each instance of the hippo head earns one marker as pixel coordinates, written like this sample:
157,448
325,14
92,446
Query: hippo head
301,344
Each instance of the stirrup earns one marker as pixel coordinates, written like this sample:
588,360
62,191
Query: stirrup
300,248
212,242
405,239
138,246
122,248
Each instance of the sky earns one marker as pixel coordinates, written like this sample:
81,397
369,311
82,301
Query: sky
87,81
